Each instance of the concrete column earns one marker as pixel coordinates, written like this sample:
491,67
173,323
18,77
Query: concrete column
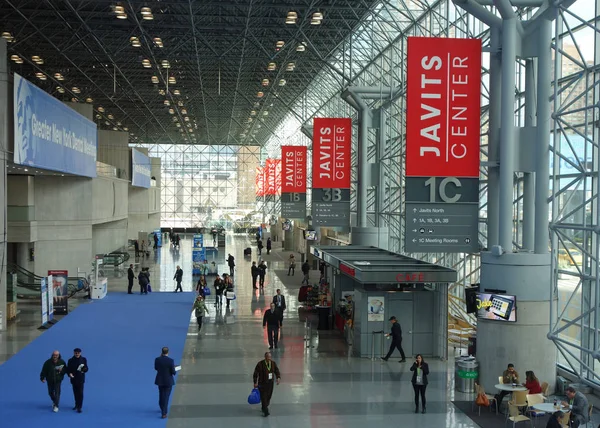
370,236
525,341
6,133
494,137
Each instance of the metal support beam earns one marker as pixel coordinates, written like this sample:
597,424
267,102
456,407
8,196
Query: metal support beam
494,137
528,177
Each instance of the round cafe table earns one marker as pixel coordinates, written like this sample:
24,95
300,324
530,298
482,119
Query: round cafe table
510,388
548,407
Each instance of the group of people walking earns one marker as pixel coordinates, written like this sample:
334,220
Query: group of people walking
54,371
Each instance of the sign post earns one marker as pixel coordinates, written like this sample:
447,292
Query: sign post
331,172
442,145
293,182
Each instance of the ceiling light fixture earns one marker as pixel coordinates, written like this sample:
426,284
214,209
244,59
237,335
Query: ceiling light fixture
165,64
172,80
183,111
272,66
8,36
89,100
76,90
74,100
146,63
158,42
37,60
171,111
147,14
161,92
155,80
110,116
260,94
316,19
290,67
167,102
301,47
279,44
282,82
59,77
265,82
176,92
135,42
17,59
180,103
291,17
40,76
101,109
253,113
125,129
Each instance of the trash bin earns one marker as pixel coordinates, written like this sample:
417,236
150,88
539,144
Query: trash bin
466,374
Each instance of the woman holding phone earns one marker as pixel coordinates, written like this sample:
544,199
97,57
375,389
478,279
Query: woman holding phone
420,371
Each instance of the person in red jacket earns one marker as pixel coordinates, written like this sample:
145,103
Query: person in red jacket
532,383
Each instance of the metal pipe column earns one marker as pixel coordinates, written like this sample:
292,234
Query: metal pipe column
362,166
493,136
381,179
507,133
542,151
528,177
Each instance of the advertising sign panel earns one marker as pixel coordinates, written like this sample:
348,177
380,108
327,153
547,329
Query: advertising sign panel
260,181
140,169
444,99
497,307
331,167
44,296
272,167
293,179
332,141
49,134
376,308
50,298
60,290
443,144
198,254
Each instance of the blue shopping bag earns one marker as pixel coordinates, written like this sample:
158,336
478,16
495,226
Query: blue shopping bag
254,397
149,288
206,291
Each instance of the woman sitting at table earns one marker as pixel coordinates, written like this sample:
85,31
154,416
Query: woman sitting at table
556,420
532,383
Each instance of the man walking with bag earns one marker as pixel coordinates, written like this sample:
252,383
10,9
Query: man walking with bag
266,373
77,367
53,373
165,370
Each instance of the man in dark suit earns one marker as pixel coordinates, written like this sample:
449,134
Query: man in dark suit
254,273
272,320
77,367
178,278
396,340
130,278
280,306
165,370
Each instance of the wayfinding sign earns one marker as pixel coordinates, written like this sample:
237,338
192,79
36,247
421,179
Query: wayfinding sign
293,182
331,172
442,145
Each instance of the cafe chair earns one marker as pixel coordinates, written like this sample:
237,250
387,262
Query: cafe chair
519,400
532,400
515,417
480,390
566,419
500,380
590,412
545,386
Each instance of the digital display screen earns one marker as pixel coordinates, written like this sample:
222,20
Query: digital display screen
497,307
310,235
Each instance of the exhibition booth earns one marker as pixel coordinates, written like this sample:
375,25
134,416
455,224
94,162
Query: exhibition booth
369,285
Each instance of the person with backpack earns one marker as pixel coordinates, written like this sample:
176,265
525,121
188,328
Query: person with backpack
143,280
199,310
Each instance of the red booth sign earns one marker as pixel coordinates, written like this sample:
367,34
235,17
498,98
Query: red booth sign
293,170
332,139
260,181
271,170
444,101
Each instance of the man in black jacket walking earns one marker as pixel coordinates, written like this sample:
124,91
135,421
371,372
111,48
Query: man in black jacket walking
53,373
396,340
178,277
254,273
280,306
272,320
262,271
130,278
77,367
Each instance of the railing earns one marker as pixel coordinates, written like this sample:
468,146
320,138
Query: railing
373,335
308,333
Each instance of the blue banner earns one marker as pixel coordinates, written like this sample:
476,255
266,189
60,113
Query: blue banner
198,257
140,169
51,135
198,241
158,233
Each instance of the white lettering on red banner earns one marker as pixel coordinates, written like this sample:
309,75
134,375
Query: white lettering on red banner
443,107
260,181
293,160
331,153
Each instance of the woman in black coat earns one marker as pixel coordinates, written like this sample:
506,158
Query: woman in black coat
420,371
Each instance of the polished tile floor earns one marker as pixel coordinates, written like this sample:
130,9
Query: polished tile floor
322,386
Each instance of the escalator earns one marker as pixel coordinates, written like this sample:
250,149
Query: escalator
28,284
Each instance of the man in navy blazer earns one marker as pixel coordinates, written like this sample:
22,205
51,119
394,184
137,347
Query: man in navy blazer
165,370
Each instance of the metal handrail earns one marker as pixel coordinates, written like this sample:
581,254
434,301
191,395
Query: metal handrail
373,343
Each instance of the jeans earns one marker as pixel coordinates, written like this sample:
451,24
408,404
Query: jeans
291,269
199,319
261,280
54,392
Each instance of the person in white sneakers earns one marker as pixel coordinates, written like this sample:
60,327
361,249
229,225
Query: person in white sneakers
53,373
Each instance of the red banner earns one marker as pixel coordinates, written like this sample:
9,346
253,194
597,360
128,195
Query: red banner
444,102
272,171
332,139
293,174
260,181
